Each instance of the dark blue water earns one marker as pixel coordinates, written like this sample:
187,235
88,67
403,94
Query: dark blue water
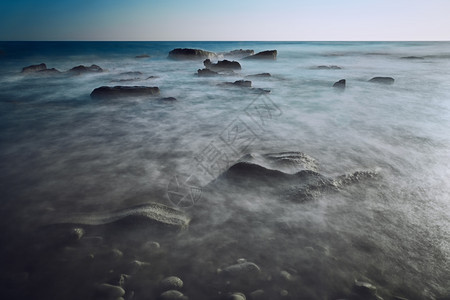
63,152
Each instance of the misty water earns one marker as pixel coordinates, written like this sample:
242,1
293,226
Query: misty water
306,192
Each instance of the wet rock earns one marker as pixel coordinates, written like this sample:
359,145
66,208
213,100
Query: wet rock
109,291
83,69
222,65
169,99
237,296
172,295
340,84
152,77
244,268
113,254
190,54
383,80
286,276
257,295
412,57
119,280
239,53
76,233
258,75
171,283
284,293
142,56
34,68
152,246
242,83
266,55
131,73
124,91
135,266
206,73
332,67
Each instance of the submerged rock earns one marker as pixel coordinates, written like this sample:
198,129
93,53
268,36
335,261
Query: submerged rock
240,269
258,75
190,54
172,295
222,65
83,69
171,283
332,67
168,99
142,56
269,55
206,73
124,91
340,84
383,80
241,83
413,57
34,68
109,291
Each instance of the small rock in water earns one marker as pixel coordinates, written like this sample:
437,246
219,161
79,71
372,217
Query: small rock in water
34,68
340,84
257,295
136,265
328,67
187,53
171,283
206,73
383,80
259,75
245,268
124,91
152,245
222,65
237,296
286,276
142,56
82,69
364,288
269,55
244,83
169,99
172,295
76,233
284,293
119,280
109,291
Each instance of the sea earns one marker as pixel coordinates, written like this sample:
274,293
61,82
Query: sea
295,189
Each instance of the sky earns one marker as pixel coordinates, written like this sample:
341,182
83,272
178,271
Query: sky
229,20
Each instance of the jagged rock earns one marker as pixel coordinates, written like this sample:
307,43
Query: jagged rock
258,75
222,65
187,53
51,71
171,283
269,54
206,73
34,68
124,91
239,53
243,83
83,69
383,80
340,84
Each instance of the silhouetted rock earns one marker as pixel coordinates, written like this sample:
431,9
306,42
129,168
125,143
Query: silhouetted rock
258,75
34,68
384,80
412,57
340,84
82,69
124,91
51,71
244,83
328,67
206,73
187,53
269,54
142,56
222,65
238,53
168,99
132,73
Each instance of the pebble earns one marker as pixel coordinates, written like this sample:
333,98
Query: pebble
136,265
244,268
172,295
284,293
258,294
286,276
171,283
110,291
237,296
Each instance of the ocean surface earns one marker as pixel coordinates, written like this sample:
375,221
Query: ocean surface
303,192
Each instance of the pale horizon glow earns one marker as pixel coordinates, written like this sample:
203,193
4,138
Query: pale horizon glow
200,20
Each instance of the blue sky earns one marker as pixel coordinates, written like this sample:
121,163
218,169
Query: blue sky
224,20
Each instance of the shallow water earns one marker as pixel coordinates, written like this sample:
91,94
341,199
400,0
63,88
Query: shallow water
63,153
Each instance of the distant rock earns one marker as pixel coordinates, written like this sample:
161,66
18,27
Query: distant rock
131,73
383,80
51,71
124,91
240,269
238,53
142,56
412,57
152,77
332,67
190,54
242,83
222,65
340,84
258,75
168,99
34,68
269,55
206,73
82,69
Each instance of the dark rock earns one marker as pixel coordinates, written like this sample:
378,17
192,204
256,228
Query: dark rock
109,291
239,53
412,57
51,71
82,69
269,54
34,68
222,65
244,83
152,77
384,80
340,84
142,56
206,73
124,91
186,53
171,283
169,99
328,68
132,73
258,75
172,295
